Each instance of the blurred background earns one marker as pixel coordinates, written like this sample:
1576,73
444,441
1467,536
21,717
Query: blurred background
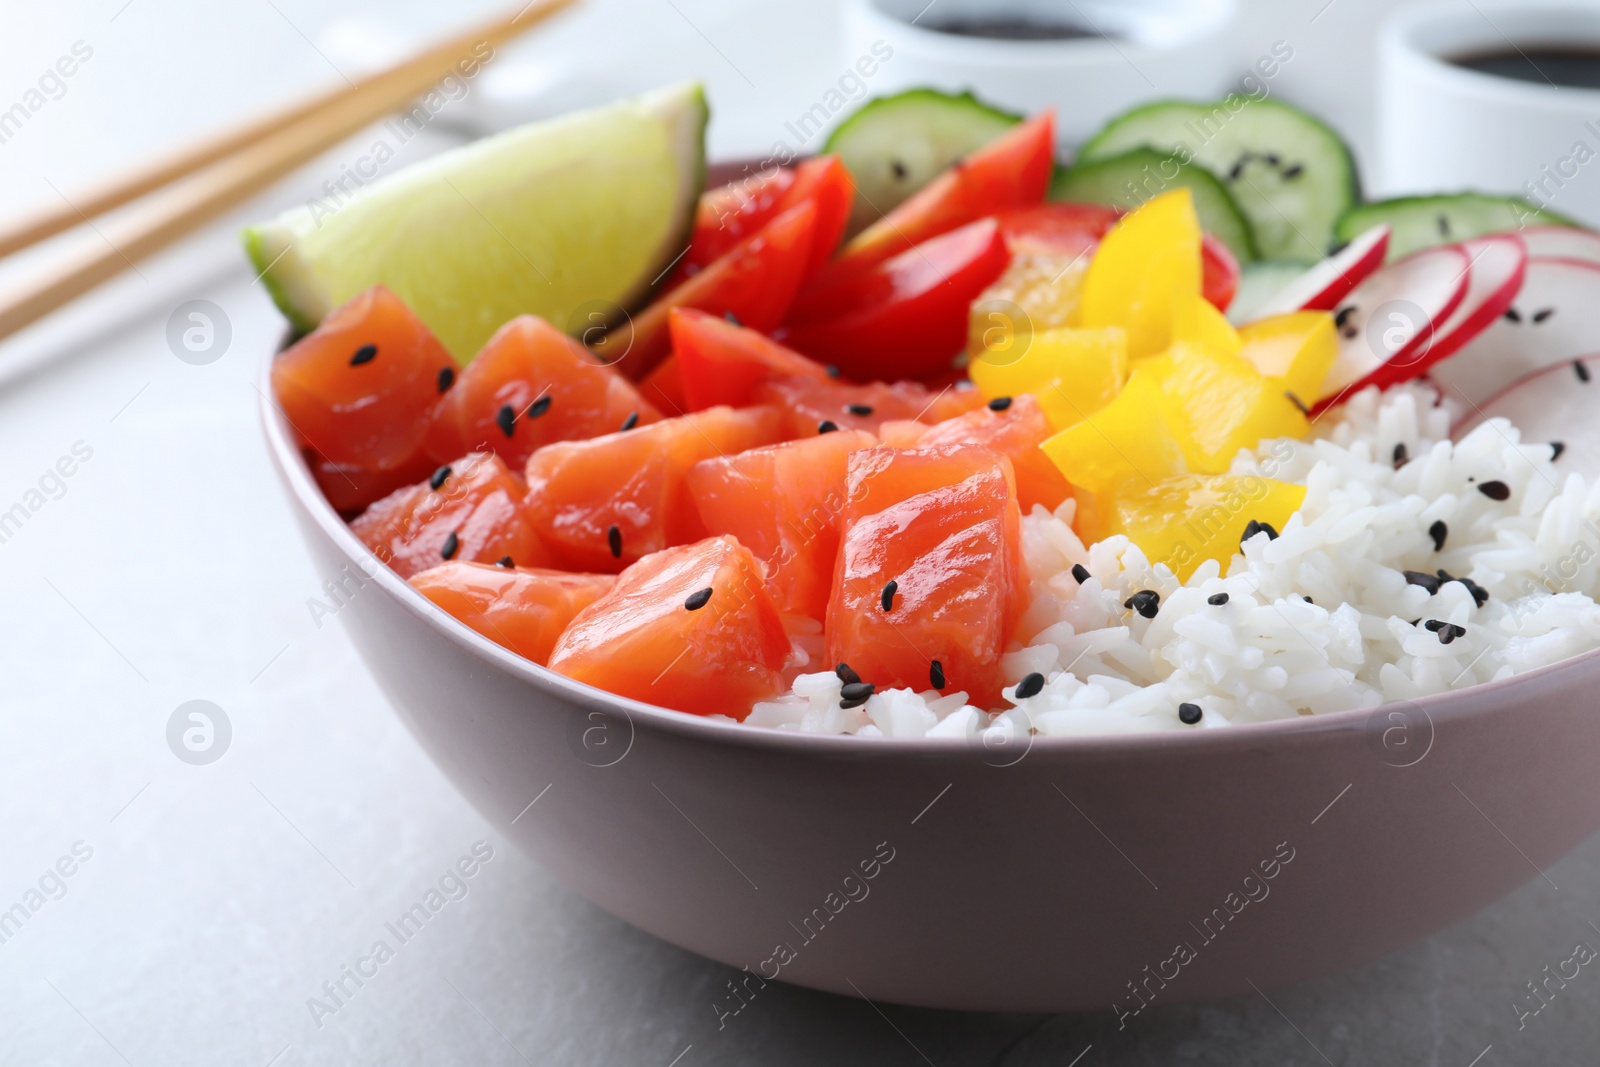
209,904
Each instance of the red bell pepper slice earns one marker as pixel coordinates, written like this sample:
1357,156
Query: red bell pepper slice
723,363
1011,171
663,388
729,214
906,317
755,281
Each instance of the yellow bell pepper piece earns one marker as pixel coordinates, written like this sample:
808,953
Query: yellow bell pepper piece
1220,404
1296,349
1143,269
1186,520
1197,321
1072,373
1130,439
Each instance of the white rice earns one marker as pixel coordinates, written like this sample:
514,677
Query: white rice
1268,653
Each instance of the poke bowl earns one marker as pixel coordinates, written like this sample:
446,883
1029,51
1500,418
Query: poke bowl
1045,858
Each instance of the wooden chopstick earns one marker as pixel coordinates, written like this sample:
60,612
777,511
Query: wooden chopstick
224,171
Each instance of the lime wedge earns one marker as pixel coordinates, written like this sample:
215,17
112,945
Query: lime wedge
571,219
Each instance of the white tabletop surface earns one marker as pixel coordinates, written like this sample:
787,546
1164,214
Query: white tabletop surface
216,900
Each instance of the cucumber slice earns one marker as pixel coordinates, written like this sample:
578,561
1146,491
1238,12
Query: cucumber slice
1417,222
1290,174
894,145
581,212
1132,178
1260,282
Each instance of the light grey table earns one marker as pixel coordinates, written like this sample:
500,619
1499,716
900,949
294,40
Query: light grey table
208,905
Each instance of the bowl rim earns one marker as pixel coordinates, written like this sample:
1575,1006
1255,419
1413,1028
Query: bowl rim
1452,706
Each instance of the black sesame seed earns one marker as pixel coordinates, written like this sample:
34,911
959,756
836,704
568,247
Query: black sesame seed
504,561
631,421
698,599
1495,490
1556,448
1307,599
1512,315
1000,403
827,426
1427,581
1297,402
1438,531
862,410
364,354
831,370
1294,172
1253,527
614,540
854,694
451,544
1480,595
1401,456
1216,600
1080,572
1031,686
1189,714
1342,316
936,674
846,673
539,407
1580,370
447,378
438,477
1450,631
1146,602
900,169
888,594
1542,314
507,418
1432,625
731,317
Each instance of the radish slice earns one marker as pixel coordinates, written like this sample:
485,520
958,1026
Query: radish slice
1324,285
1499,264
1555,404
1388,322
1554,318
1562,242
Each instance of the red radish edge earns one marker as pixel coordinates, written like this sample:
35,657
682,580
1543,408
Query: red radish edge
1322,286
1397,280
1499,263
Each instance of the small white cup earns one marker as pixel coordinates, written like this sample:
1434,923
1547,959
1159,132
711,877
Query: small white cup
1154,49
1444,128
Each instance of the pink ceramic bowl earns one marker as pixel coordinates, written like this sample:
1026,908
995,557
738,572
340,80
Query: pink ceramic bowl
1055,875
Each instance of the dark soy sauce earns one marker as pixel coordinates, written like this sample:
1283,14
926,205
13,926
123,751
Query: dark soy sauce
1014,28
1567,67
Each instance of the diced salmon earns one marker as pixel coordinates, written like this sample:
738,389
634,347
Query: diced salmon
943,525
782,502
601,504
360,388
692,628
474,515
809,402
522,608
1017,431
530,386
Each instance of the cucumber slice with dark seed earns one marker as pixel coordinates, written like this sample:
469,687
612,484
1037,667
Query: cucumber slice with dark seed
1290,174
894,145
1132,178
1417,222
